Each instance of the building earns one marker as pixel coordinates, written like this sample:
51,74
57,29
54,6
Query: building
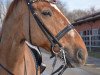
89,29
0,28
0,34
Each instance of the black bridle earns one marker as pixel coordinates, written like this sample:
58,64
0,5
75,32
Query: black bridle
10,73
53,40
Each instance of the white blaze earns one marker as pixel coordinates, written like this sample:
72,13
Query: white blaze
53,5
71,32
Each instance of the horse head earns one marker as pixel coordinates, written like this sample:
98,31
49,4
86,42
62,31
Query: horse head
54,21
43,24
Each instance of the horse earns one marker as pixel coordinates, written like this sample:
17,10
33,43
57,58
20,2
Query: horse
39,23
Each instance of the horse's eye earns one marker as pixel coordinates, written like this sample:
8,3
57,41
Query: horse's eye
47,13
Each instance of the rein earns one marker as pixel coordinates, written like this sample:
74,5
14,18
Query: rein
10,73
53,40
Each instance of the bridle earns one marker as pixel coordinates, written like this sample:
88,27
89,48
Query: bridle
53,40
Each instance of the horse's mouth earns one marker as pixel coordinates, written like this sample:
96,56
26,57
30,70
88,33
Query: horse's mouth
74,63
76,59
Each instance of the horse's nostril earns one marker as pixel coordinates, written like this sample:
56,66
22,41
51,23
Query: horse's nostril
80,55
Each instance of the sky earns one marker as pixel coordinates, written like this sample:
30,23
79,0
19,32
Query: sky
81,4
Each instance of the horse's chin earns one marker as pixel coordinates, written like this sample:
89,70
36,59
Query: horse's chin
76,64
77,59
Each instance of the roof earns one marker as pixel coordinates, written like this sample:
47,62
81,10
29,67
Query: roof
93,18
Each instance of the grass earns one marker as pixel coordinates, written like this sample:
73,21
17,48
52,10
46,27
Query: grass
94,54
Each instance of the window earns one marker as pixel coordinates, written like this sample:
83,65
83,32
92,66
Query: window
87,32
91,37
81,33
90,32
95,31
99,31
84,32
99,37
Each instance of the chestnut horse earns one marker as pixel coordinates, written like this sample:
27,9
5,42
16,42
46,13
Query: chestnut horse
19,25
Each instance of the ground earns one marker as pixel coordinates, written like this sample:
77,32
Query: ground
91,68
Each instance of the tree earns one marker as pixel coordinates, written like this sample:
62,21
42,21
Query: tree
3,9
76,14
2,12
8,3
92,10
62,6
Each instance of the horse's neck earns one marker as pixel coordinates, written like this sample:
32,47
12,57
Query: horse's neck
11,47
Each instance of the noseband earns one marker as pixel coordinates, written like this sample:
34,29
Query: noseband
53,40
